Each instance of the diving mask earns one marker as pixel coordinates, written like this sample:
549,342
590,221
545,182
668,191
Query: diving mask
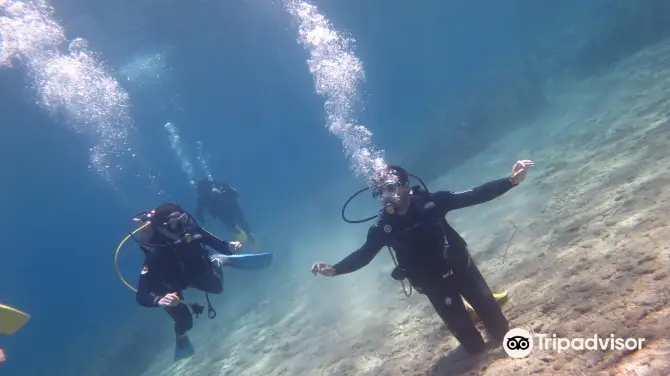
388,194
177,222
168,220
387,190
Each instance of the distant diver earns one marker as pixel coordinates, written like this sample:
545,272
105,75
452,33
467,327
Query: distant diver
430,253
176,258
221,201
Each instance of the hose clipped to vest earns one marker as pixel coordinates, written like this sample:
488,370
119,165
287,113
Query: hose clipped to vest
402,281
118,250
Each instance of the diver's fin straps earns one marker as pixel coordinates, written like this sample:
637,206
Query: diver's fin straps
211,313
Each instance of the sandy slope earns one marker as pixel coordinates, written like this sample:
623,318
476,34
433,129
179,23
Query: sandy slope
590,256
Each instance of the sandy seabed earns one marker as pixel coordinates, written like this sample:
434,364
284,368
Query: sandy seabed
589,256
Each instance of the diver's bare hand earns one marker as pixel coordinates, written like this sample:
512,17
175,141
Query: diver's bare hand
169,300
323,269
234,246
3,357
519,170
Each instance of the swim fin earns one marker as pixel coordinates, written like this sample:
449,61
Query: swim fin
249,261
248,240
500,297
240,236
11,319
183,348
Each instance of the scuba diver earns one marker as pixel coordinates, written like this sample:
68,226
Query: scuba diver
176,258
430,253
221,200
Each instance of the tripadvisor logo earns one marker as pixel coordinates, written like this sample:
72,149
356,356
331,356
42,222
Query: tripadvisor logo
519,343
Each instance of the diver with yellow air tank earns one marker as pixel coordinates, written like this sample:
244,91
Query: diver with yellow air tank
220,200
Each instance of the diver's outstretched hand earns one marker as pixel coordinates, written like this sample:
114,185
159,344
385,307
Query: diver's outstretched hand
323,269
519,170
235,247
3,357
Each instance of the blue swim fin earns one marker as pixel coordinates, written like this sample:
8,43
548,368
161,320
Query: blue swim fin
183,348
250,261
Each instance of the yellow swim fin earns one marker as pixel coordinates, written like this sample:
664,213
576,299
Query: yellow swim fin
241,236
246,240
500,297
11,319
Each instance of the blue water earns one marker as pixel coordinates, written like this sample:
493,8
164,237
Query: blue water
232,76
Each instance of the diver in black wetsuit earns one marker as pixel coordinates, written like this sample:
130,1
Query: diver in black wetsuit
221,200
431,254
176,258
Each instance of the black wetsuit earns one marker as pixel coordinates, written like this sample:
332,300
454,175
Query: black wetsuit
176,267
221,200
436,261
